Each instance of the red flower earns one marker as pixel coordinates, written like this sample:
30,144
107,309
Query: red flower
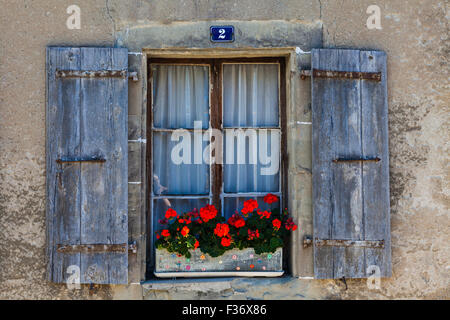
196,244
180,220
253,234
165,233
237,221
221,229
270,198
170,213
249,206
208,212
157,235
226,242
264,214
185,231
290,225
276,223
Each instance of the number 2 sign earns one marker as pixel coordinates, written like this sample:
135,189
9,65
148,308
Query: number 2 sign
222,33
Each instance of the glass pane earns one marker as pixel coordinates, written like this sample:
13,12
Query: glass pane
250,95
176,169
181,206
251,161
180,96
233,204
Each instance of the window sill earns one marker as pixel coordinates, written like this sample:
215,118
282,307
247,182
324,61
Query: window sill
209,284
249,274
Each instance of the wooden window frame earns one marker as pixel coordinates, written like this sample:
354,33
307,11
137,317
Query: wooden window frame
215,122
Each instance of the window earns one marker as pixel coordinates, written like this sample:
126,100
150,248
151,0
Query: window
216,134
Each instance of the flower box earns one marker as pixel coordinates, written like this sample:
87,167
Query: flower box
235,262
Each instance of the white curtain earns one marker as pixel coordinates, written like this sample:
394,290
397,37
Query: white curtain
250,99
180,97
250,95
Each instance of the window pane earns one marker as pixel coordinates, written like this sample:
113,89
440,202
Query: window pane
181,206
250,95
180,96
233,204
251,161
174,167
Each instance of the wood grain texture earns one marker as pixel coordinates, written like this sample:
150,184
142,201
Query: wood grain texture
350,201
87,118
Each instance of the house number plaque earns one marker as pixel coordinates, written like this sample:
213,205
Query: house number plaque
222,33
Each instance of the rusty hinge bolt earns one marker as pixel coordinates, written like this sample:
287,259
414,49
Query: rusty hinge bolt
307,241
132,247
133,76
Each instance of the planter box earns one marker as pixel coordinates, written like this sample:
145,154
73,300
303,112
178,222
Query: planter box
242,263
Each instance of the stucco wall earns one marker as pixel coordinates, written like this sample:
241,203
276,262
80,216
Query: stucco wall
415,37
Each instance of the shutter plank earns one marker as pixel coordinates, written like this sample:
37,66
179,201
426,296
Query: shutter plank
103,216
351,199
346,133
63,138
376,175
323,94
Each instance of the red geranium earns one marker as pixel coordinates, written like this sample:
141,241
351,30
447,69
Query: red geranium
237,221
270,198
290,225
226,242
264,214
165,233
249,206
221,229
253,234
196,244
276,223
170,213
185,231
208,212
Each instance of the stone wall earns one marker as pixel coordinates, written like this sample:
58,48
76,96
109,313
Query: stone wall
415,37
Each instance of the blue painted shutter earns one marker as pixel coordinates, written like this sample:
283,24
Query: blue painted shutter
87,164
350,164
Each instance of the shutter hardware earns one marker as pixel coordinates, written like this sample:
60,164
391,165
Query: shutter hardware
357,160
352,75
96,74
349,243
65,160
97,248
378,244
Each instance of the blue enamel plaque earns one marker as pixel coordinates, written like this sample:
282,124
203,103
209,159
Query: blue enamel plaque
222,33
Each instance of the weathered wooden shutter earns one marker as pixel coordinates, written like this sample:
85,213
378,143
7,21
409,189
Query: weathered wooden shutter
87,169
350,164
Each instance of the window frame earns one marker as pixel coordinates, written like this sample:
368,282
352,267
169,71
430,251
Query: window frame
216,194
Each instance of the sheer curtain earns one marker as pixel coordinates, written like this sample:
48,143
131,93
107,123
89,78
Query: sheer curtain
180,97
250,100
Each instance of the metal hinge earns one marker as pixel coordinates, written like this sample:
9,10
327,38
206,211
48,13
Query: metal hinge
97,74
97,248
133,76
132,247
352,75
307,241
